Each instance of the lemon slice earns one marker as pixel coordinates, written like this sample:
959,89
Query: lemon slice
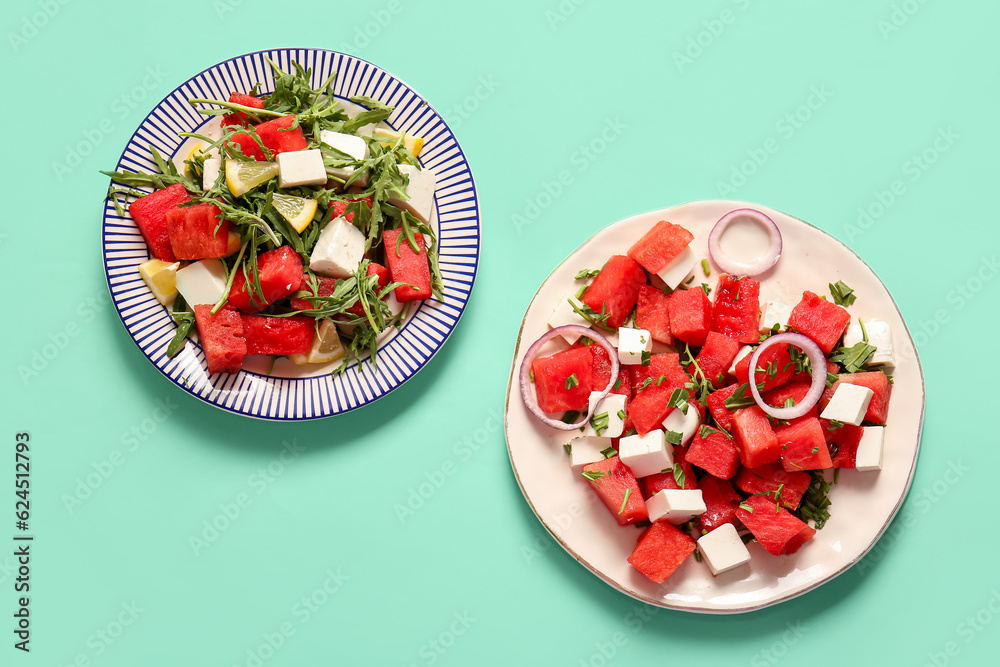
242,177
389,137
298,211
327,346
161,278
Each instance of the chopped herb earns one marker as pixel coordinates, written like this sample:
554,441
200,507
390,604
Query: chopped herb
599,320
593,475
705,430
706,289
739,399
836,475
697,555
531,375
621,415
673,437
629,432
853,358
647,358
704,267
831,378
609,453
572,381
600,422
789,402
585,274
744,506
628,492
815,501
842,294
679,475
800,359
834,425
689,280
568,447
571,417
814,450
618,383
678,399
864,331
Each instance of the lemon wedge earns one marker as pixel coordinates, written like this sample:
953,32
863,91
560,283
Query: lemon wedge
327,346
298,211
389,137
242,177
161,278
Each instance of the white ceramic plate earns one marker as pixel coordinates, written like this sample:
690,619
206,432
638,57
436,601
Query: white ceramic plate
287,391
863,502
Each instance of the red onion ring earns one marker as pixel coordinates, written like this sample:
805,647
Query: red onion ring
525,374
816,358
735,267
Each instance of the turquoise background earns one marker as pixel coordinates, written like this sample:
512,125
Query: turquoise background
573,115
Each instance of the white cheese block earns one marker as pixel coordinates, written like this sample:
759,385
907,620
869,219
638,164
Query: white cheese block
299,168
587,449
339,249
418,196
685,424
772,313
879,337
632,343
675,505
744,351
723,549
563,314
848,404
354,146
869,455
646,454
612,405
203,282
679,268
210,172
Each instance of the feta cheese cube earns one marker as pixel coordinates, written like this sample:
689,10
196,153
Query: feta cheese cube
298,168
684,424
679,268
355,147
848,404
723,549
203,282
869,455
339,249
632,343
774,312
564,314
675,505
210,172
744,351
587,450
418,196
612,405
879,337
646,454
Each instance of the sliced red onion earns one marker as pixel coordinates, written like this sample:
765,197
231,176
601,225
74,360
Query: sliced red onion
738,268
816,359
525,375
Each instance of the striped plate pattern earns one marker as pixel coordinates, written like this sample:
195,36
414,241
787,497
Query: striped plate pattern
407,350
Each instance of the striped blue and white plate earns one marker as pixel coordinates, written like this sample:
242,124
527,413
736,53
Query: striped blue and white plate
285,391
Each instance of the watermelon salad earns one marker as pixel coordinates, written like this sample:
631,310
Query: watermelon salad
700,413
286,226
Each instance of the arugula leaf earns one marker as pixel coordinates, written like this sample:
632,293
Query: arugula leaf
842,294
853,358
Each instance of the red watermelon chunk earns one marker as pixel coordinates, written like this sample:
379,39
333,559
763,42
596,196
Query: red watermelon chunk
715,453
198,232
652,313
617,489
249,146
755,438
240,117
660,245
278,335
722,415
843,443
324,287
221,338
602,367
661,550
774,368
277,136
803,445
821,320
280,273
690,315
720,500
794,390
150,215
653,484
615,290
777,529
572,367
666,364
878,382
736,311
768,479
408,267
650,402
715,357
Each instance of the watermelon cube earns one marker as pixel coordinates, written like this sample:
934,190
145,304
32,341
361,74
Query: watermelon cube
716,401
771,479
198,232
563,381
615,290
660,245
755,438
736,311
618,490
803,445
843,443
653,484
280,274
661,550
150,215
278,335
715,357
601,374
407,266
821,320
652,313
716,454
240,117
878,382
690,315
777,529
720,499
221,338
278,135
